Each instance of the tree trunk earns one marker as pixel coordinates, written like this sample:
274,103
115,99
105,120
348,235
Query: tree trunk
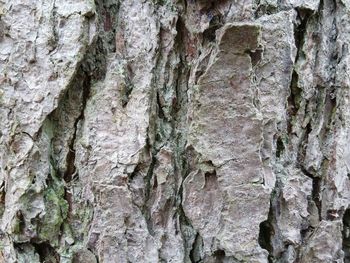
174,131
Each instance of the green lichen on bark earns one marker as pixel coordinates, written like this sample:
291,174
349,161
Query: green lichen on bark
57,210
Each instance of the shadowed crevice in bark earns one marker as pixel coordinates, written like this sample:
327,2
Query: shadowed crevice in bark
186,228
266,232
303,17
346,235
255,56
46,253
294,101
195,253
73,103
148,191
316,190
296,93
185,157
215,23
70,160
264,8
316,194
42,250
279,147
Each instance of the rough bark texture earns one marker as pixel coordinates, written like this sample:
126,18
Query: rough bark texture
174,131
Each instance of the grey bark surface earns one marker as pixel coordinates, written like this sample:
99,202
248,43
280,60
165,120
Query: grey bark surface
174,131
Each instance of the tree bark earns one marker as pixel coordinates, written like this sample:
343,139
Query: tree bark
174,131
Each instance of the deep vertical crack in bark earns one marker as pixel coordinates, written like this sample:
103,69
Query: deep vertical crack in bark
70,160
346,236
266,233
